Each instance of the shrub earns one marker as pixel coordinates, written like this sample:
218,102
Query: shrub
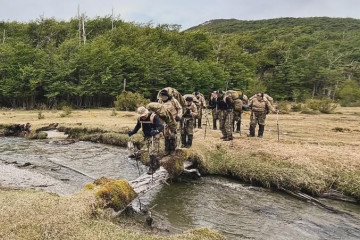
322,105
349,94
283,107
129,101
40,115
113,113
67,110
297,107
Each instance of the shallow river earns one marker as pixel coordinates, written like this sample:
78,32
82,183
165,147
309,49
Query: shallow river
238,211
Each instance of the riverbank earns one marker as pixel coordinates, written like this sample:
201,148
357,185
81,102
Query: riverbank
38,215
315,154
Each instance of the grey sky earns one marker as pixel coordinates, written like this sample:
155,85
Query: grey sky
184,12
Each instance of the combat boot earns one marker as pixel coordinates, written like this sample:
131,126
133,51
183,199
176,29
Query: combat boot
154,164
261,130
183,140
189,142
252,132
238,124
214,124
199,123
167,146
172,145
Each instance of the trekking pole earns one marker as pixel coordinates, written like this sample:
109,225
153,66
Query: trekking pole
277,125
205,131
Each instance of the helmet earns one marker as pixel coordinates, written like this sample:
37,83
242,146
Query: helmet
142,111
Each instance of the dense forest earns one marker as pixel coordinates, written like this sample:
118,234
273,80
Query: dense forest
88,62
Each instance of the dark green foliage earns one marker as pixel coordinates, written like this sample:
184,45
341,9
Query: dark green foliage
128,101
44,64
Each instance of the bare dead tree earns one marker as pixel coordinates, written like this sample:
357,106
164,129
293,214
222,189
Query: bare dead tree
79,30
4,36
83,28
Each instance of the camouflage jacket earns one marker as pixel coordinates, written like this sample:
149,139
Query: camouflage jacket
173,106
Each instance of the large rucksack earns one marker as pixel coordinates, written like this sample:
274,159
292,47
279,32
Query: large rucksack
195,100
174,93
232,95
238,104
163,113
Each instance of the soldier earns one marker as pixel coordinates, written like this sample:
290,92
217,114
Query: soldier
238,104
266,96
151,127
260,106
201,104
213,107
187,123
226,115
174,107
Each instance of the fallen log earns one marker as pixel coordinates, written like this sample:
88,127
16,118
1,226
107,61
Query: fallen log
171,166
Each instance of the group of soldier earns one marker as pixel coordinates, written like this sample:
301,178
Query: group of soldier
172,111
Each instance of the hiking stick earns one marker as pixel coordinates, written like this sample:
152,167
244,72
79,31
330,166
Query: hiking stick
277,125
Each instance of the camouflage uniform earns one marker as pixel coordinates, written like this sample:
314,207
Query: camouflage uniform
174,107
214,111
260,106
226,116
238,103
200,104
152,127
187,125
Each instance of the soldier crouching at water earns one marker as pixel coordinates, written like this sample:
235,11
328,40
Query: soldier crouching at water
260,106
151,127
187,123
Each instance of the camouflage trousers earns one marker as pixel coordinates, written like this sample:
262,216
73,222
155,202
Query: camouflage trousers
237,116
215,113
257,118
187,126
152,144
170,139
226,123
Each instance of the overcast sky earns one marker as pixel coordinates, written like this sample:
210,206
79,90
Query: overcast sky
186,13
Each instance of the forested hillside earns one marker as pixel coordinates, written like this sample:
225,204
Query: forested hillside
48,62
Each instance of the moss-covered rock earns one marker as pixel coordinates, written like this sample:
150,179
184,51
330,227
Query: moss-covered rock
116,194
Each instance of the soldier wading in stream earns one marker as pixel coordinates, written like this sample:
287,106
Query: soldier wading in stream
151,127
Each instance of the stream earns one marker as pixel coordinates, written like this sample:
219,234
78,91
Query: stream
237,210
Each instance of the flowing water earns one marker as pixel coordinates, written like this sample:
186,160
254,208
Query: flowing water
238,211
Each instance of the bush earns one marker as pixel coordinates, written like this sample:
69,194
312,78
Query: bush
40,115
322,105
113,113
349,94
297,107
283,107
129,101
67,110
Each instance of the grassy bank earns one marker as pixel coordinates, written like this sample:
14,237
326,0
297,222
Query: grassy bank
38,215
315,153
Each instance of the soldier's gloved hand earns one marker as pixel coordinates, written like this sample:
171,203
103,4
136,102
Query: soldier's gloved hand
130,133
153,132
177,118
